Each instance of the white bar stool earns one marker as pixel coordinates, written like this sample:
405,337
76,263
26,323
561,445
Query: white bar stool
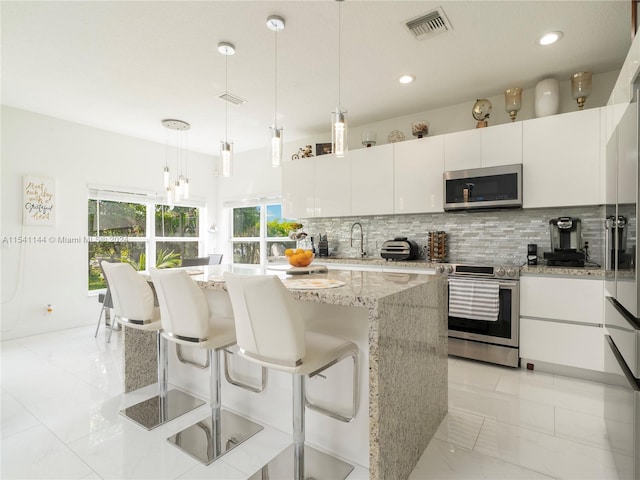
133,302
271,332
186,320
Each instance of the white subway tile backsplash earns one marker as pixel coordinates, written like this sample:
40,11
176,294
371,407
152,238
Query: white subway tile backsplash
478,237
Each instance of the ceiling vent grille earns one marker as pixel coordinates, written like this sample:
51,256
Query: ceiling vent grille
428,25
231,98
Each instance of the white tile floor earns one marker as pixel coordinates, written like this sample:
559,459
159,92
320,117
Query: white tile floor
61,393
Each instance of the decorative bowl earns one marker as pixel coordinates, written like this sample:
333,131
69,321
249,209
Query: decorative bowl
298,257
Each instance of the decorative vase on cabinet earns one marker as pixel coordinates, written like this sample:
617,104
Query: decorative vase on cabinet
547,97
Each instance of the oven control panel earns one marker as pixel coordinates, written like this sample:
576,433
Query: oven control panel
478,271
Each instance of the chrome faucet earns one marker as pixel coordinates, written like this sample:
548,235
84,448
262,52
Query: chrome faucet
362,252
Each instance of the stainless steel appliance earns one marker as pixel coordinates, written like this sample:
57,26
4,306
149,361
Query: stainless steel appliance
323,246
482,188
622,322
400,248
474,336
567,249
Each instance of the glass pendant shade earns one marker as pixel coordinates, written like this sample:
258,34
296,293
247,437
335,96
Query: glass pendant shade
226,155
166,177
177,194
169,196
513,101
276,146
339,133
581,87
185,189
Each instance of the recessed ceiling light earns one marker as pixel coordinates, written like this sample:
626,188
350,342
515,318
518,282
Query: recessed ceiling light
404,79
549,38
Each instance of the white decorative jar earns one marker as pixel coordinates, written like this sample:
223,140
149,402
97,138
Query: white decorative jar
547,97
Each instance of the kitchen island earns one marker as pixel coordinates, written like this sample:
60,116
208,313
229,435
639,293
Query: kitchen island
399,323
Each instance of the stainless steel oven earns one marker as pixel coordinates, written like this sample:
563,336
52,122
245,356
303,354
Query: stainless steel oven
493,338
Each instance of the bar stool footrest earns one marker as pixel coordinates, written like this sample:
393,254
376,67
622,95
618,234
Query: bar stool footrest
149,414
206,443
317,466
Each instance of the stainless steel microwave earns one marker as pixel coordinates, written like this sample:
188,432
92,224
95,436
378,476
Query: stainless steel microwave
482,188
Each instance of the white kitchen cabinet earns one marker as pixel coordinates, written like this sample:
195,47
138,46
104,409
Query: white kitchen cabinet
372,180
564,344
484,147
561,321
502,144
417,175
562,160
463,150
298,196
332,186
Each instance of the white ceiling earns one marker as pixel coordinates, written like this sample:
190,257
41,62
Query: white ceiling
124,66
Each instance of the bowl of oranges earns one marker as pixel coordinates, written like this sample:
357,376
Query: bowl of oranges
298,257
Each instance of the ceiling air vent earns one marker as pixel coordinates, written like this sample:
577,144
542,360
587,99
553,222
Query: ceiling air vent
231,98
428,25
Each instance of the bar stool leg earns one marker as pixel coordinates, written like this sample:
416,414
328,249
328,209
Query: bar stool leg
221,431
298,426
298,461
167,404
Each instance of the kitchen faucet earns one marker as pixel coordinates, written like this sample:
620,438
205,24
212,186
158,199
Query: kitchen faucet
362,252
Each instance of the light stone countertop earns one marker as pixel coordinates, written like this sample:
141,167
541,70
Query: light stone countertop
361,289
575,272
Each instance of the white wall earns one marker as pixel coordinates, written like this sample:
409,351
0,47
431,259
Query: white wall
37,274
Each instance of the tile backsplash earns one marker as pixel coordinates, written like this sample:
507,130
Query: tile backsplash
472,237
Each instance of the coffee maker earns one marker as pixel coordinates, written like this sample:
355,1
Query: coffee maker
566,243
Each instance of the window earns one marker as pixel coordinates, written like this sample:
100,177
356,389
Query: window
133,230
259,233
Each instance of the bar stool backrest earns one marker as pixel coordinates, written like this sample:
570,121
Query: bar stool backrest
132,295
184,311
268,325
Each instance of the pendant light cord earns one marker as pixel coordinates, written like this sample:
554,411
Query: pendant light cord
339,50
226,90
275,87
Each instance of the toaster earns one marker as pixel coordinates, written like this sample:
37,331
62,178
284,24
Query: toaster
400,249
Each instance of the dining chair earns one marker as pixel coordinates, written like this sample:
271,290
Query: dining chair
215,258
271,332
106,300
194,262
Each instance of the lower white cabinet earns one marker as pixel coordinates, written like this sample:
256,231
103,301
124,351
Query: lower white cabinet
561,321
580,346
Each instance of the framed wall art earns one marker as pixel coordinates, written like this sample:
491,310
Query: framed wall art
38,201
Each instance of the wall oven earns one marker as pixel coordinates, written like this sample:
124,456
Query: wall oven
484,312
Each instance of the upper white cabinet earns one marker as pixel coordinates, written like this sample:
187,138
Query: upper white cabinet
502,144
298,195
372,180
562,160
463,150
484,147
417,175
332,186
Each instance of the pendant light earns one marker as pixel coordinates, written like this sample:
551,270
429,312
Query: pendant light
339,117
226,147
275,23
176,140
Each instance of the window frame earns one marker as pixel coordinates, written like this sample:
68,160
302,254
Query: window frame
262,239
150,201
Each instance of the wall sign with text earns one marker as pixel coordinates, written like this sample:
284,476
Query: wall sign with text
38,201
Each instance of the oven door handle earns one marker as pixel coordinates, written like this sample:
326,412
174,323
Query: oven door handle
510,284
